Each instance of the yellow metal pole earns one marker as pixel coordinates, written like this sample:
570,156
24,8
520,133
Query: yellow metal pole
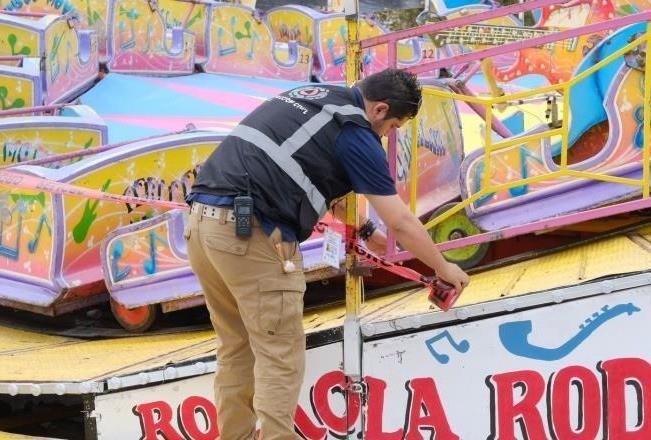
647,114
352,346
413,165
488,148
487,69
353,60
565,128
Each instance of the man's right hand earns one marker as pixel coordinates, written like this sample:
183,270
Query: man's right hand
453,274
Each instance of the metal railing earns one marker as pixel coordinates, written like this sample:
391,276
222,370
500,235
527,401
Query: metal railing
489,103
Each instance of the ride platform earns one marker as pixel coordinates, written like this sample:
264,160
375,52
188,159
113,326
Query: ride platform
36,366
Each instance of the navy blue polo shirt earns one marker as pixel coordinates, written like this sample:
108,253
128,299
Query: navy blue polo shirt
359,152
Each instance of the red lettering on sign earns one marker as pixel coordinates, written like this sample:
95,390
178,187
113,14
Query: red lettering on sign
190,408
331,383
375,411
424,397
506,412
559,410
634,373
306,428
156,418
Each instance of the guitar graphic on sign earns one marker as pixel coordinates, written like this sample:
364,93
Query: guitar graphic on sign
556,61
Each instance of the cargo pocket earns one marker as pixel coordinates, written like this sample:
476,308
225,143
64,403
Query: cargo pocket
226,243
280,304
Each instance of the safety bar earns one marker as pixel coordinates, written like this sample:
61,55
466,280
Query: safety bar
488,103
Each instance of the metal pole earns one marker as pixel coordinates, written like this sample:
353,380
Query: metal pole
352,349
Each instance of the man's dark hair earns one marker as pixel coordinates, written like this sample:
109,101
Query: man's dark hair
398,88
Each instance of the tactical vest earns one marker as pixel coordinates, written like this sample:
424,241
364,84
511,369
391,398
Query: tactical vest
284,152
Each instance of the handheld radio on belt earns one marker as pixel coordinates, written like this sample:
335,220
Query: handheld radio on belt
243,210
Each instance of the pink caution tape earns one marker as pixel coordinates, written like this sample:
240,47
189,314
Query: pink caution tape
441,293
25,181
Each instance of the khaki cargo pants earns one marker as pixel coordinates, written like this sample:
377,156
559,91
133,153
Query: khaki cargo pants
257,312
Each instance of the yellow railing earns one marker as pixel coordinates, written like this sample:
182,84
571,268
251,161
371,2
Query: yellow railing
488,187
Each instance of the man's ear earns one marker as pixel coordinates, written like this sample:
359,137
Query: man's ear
380,110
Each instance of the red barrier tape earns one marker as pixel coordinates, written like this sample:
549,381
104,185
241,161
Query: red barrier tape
441,293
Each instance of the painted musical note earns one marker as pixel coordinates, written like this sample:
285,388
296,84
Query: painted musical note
462,346
250,35
514,335
132,15
222,49
638,114
117,252
53,59
337,60
8,251
150,265
147,47
33,243
254,39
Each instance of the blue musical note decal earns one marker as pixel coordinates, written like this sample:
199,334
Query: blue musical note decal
6,213
150,265
33,243
116,253
337,60
222,49
638,114
462,346
514,335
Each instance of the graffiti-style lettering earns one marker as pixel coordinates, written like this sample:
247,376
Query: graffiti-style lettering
13,152
155,188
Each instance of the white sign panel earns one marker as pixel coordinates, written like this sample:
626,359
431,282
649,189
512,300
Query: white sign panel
578,370
185,410
573,371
